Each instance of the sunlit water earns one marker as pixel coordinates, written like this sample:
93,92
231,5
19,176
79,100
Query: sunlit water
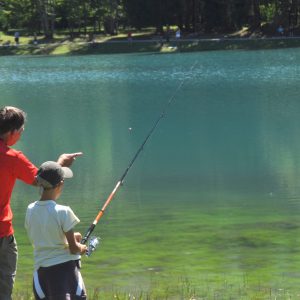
211,202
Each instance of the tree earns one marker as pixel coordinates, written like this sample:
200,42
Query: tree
16,14
208,16
46,11
254,14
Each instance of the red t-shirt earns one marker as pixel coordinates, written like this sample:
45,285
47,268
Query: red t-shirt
13,165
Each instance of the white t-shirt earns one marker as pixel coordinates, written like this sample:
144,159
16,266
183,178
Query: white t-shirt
46,221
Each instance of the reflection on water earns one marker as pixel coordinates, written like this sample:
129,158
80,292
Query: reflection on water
216,189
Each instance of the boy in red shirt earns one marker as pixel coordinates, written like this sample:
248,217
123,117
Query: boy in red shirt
13,165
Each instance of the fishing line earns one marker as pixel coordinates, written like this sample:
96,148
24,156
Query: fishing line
121,180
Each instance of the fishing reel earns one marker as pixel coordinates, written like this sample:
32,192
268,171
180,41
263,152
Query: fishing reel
93,243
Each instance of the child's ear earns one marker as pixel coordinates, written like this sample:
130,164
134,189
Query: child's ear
60,184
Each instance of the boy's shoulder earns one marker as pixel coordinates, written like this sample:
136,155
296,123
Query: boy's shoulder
31,205
58,207
62,207
63,210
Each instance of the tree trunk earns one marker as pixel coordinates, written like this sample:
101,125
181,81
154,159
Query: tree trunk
46,20
85,13
228,21
189,15
254,15
294,13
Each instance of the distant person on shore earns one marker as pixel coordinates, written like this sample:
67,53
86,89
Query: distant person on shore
167,34
13,165
57,247
35,41
129,36
280,30
91,37
17,37
178,34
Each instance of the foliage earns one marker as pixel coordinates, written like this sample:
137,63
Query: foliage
268,11
207,16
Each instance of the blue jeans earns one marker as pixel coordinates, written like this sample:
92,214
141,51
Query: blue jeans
8,266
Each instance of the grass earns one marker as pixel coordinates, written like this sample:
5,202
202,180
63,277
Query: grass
203,290
142,42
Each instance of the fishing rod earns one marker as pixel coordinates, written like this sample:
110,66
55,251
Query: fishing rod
94,241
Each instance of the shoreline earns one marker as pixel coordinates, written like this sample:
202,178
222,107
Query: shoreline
150,45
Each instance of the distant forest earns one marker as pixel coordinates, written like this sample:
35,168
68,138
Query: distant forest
110,16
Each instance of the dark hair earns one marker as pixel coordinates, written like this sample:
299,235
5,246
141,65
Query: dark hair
11,118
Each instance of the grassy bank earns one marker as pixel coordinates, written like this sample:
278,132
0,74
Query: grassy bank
77,47
186,291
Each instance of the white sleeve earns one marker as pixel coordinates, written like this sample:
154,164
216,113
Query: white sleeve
26,218
28,214
69,220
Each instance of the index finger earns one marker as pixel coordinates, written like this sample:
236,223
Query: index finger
76,154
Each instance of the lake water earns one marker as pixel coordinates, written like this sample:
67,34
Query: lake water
211,207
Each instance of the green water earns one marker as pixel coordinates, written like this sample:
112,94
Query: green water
211,206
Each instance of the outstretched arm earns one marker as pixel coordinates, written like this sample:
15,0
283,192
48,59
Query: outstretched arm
66,159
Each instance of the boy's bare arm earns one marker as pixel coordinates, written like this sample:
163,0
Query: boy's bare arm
73,240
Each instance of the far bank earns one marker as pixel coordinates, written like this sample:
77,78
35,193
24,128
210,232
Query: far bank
159,46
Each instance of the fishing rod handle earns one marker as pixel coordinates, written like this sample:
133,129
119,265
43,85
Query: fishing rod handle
88,233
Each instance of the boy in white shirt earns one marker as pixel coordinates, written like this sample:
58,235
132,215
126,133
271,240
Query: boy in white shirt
57,247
